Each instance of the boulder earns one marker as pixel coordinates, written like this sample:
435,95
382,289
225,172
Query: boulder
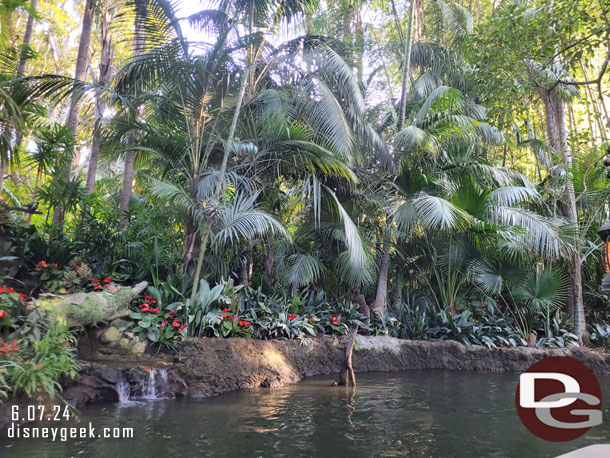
110,335
138,348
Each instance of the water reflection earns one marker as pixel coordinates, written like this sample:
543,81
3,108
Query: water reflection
415,414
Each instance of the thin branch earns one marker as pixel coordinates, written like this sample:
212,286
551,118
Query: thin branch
577,42
596,80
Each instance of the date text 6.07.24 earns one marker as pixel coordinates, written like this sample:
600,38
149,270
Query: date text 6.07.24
40,413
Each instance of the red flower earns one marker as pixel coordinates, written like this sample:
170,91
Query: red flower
107,279
152,301
74,266
182,326
247,324
226,310
310,319
147,298
2,313
95,281
97,287
8,348
292,317
155,310
22,296
42,263
175,324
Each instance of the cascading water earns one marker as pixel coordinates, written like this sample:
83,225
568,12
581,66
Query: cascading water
124,391
156,384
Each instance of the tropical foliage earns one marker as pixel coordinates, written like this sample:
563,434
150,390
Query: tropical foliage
278,170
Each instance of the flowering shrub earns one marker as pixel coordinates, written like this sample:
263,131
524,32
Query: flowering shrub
51,277
60,281
228,311
97,285
12,304
225,323
156,322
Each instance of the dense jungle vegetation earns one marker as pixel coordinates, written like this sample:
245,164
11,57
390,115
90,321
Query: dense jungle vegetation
282,168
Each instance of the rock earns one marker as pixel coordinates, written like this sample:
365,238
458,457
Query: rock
110,335
121,325
124,345
138,348
82,309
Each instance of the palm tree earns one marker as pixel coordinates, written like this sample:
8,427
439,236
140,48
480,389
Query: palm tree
105,72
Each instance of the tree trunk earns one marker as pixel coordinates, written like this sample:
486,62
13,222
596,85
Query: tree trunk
398,286
558,138
406,69
80,73
129,172
347,375
2,172
270,263
189,239
358,298
100,102
27,39
127,187
245,265
381,304
359,44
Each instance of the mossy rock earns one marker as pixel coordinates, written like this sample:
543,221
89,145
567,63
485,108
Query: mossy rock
82,309
110,335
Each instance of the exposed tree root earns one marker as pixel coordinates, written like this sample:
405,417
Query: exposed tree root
347,376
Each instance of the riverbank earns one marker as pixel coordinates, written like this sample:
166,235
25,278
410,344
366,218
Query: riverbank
212,366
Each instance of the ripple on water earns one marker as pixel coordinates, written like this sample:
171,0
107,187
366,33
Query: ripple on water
414,414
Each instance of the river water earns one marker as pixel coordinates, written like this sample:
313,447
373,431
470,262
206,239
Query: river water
412,414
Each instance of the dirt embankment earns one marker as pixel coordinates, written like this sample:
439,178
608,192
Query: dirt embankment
208,367
213,366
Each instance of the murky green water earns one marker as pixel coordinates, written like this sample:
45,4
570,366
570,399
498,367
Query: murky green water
414,414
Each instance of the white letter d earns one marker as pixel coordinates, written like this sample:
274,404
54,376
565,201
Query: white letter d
527,389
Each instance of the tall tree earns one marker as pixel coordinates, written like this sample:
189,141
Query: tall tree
80,71
105,72
27,38
80,74
129,170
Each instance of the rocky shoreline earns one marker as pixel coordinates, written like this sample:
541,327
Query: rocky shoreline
210,366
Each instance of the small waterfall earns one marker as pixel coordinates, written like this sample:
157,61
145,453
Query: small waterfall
124,391
156,384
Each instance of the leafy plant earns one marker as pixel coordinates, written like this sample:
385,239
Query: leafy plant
36,365
601,335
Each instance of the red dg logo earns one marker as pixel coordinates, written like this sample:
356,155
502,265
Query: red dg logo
559,399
